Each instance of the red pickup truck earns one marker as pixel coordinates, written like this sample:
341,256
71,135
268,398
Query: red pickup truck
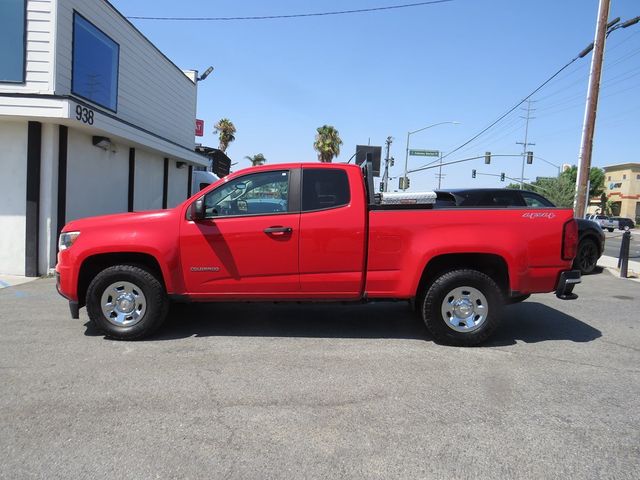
314,232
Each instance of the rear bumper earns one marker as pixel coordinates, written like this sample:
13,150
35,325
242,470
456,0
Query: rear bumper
567,280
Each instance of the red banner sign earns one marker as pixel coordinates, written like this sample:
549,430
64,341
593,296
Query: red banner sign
199,128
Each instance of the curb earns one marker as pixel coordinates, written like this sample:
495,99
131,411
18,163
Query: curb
611,264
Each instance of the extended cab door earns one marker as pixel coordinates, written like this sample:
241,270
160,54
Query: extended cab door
332,232
248,244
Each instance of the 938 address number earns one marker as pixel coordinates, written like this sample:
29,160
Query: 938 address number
84,114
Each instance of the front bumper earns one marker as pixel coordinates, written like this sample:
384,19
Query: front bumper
568,279
74,306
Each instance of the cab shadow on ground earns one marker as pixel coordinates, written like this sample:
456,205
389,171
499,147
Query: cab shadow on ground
528,322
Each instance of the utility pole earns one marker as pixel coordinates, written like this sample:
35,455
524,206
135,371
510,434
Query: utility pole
586,144
525,144
387,160
440,175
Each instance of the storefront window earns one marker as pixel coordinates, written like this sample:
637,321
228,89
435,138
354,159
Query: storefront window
12,40
95,64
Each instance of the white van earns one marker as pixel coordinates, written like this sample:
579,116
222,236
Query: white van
201,179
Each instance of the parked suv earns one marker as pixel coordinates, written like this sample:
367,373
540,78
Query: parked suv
591,236
623,222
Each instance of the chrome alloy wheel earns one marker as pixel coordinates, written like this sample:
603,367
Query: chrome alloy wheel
123,304
464,309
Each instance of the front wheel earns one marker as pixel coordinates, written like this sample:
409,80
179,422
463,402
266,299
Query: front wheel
462,307
126,302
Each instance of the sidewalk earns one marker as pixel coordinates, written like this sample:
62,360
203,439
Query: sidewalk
611,263
12,280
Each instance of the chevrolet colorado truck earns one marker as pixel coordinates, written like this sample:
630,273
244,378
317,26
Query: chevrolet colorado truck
310,232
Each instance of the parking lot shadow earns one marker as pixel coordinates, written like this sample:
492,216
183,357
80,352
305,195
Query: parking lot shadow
533,322
379,320
529,322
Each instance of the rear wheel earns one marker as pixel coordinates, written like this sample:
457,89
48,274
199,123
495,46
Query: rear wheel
462,307
587,256
126,302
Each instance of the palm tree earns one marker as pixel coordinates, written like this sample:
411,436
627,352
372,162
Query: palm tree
226,131
257,159
327,143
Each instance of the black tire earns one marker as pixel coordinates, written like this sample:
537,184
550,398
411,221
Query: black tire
517,299
445,284
587,256
610,229
151,317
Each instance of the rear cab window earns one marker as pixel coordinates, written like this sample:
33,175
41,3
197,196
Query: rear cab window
324,188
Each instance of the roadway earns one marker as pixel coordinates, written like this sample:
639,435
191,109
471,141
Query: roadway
614,239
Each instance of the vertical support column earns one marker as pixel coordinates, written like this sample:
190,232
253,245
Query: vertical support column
132,179
165,183
63,135
32,217
189,176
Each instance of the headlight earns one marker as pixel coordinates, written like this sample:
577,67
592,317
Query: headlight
67,239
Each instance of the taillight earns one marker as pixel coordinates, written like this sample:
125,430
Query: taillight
570,240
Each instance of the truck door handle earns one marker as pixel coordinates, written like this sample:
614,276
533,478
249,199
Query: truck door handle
278,230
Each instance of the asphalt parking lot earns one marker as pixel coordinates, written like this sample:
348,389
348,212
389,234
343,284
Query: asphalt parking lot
325,391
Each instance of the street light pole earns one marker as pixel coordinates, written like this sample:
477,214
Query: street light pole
406,157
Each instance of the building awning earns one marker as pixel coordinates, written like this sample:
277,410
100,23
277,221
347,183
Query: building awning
64,110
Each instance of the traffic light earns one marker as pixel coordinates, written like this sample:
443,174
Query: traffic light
392,162
487,157
407,182
382,186
502,177
473,173
529,158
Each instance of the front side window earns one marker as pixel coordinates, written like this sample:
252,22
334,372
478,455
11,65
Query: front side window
12,55
324,188
255,194
95,64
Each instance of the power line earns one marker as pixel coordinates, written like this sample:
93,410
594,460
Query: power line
514,107
537,89
295,15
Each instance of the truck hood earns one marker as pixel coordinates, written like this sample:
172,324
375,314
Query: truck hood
118,219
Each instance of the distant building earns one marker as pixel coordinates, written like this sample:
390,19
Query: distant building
94,119
622,187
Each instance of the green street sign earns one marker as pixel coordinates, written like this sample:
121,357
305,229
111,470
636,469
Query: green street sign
424,153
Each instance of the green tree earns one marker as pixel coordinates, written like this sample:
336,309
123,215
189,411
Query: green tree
226,131
559,190
596,179
257,159
327,143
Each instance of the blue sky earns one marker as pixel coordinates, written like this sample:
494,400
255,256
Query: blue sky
377,74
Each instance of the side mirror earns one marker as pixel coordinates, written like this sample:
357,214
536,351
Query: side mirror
196,210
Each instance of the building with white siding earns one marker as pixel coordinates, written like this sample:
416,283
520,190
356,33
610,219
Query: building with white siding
94,119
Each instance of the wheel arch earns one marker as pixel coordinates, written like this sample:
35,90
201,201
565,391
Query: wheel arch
94,264
490,264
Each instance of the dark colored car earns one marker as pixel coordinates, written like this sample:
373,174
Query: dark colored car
624,222
591,236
